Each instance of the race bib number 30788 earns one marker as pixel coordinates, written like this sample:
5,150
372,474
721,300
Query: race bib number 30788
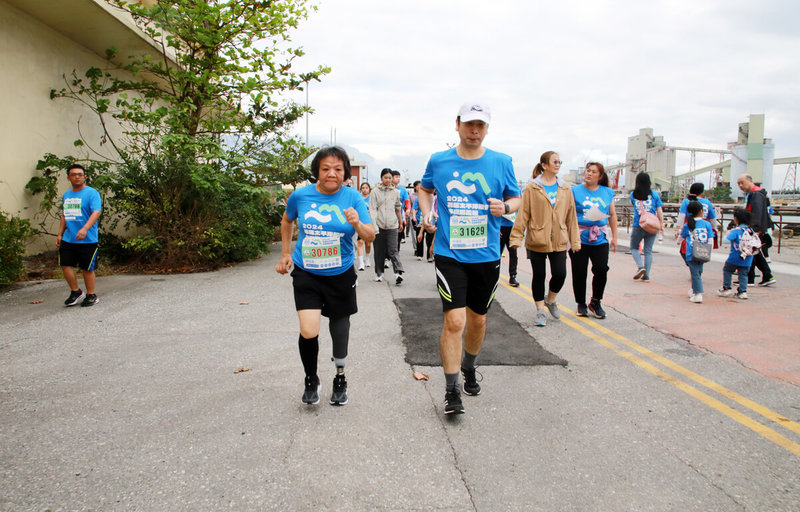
468,232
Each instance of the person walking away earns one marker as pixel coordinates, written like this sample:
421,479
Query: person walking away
364,246
548,221
594,207
696,193
78,236
474,186
757,203
644,199
423,238
385,211
738,261
696,230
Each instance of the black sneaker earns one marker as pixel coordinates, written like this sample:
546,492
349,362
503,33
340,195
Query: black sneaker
339,395
513,281
74,298
398,279
471,386
452,402
582,311
767,282
90,300
596,309
311,393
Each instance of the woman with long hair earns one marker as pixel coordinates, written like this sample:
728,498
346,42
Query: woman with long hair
594,206
363,244
644,199
549,224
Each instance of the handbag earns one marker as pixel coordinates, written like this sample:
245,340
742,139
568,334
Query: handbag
701,251
648,221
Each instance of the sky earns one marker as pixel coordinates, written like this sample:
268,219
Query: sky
576,77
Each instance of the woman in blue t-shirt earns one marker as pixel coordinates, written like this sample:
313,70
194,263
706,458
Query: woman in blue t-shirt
644,199
594,206
324,278
363,245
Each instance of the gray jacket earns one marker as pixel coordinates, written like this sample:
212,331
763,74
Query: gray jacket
384,203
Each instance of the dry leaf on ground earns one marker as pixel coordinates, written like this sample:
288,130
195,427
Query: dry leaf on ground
420,375
36,301
240,370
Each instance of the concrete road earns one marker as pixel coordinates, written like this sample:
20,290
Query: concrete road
135,404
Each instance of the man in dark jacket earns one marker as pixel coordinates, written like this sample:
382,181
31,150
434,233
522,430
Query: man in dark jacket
757,203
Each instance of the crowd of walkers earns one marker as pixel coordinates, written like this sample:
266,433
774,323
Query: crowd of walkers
464,212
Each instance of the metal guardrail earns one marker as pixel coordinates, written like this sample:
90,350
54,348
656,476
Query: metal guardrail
725,217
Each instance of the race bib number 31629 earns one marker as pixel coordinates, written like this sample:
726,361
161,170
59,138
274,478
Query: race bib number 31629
468,232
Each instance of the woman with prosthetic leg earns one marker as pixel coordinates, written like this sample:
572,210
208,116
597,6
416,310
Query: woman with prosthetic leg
324,276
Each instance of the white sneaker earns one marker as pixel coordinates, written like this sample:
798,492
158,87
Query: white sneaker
379,279
368,265
361,267
725,292
691,292
741,295
696,298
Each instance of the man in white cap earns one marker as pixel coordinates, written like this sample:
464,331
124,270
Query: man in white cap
474,187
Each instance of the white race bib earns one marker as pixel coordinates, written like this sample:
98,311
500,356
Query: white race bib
321,252
469,232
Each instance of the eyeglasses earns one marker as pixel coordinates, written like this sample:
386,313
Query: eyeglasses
76,174
557,162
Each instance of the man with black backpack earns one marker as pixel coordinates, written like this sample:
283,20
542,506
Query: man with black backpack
757,203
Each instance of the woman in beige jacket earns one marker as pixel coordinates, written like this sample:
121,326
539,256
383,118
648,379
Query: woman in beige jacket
548,216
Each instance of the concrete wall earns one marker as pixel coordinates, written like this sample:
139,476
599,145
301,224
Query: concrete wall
33,58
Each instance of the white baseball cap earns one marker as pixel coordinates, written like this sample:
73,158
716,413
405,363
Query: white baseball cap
472,111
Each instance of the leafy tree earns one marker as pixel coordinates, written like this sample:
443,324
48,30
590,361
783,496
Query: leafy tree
205,131
719,195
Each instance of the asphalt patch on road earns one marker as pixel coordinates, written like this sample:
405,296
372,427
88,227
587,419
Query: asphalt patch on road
507,343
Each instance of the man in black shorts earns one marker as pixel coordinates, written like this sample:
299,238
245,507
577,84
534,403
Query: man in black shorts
77,236
474,186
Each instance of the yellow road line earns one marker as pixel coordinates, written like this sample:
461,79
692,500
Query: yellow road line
732,413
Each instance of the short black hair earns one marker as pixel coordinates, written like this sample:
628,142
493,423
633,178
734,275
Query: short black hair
743,216
334,151
395,173
385,171
75,166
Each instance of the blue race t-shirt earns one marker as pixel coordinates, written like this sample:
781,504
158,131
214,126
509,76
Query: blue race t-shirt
552,193
651,204
592,208
325,241
702,230
403,196
418,215
466,230
735,257
77,207
708,208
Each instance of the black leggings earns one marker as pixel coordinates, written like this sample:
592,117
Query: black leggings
598,255
558,271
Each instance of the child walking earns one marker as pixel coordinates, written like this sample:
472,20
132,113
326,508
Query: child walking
737,262
696,230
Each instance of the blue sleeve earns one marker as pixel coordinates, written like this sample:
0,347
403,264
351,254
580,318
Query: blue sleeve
685,231
362,210
684,204
656,200
96,202
427,178
711,213
291,206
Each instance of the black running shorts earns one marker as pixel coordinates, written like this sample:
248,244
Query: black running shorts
334,295
466,284
83,256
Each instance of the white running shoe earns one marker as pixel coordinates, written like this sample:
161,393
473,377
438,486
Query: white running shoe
697,298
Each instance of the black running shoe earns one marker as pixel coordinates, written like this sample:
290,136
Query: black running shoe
311,393
596,309
339,395
74,298
513,281
398,279
452,402
582,311
90,300
471,386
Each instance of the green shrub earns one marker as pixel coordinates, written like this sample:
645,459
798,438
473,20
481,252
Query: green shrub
13,232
